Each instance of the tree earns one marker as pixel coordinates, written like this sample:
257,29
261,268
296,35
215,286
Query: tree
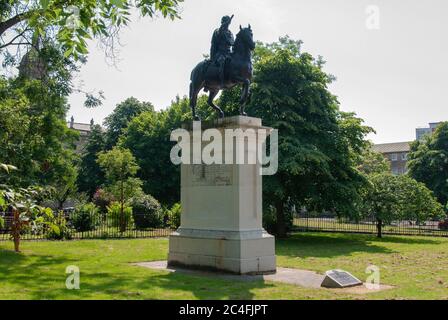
148,137
7,168
25,211
91,177
390,198
382,200
64,185
34,135
120,167
420,204
428,162
118,120
372,162
319,145
71,23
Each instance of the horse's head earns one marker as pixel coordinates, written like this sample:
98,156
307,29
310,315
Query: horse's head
246,37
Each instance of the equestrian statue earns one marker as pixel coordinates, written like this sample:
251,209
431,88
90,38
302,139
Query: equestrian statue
230,64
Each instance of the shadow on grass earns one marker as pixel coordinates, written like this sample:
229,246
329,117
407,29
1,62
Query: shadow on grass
176,284
156,286
332,245
11,261
43,277
29,272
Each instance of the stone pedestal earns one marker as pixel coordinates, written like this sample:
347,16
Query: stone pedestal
221,220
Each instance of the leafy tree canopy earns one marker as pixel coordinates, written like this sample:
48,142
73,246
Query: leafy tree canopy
72,22
34,135
148,137
91,176
118,164
389,198
428,162
120,168
319,145
372,162
118,120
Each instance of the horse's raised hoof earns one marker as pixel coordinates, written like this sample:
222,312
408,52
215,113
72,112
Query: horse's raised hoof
221,114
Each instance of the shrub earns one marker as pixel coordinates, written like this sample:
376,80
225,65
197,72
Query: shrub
102,199
173,215
78,199
147,212
270,219
118,220
85,217
58,229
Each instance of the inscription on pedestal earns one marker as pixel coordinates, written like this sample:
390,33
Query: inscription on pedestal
211,175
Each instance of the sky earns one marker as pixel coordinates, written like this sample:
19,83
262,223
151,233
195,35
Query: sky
389,56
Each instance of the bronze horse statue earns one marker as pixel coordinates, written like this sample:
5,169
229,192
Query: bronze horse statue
237,70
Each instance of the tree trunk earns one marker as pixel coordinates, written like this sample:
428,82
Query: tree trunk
122,219
379,228
17,244
15,230
280,225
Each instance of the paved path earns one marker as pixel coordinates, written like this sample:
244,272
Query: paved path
302,278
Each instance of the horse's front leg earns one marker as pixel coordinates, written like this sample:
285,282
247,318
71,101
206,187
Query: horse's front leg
244,96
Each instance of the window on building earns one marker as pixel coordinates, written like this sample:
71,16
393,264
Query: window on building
394,157
404,156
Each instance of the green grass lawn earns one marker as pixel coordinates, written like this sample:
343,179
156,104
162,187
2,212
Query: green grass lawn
416,266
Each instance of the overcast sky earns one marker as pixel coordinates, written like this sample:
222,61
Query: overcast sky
394,77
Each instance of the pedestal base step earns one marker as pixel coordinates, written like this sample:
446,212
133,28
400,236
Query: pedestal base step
240,256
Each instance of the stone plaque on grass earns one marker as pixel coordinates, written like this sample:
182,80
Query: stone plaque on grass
340,279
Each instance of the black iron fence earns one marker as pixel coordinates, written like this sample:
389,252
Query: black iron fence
94,226
330,223
102,226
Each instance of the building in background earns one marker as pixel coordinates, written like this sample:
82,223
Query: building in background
420,133
396,153
84,130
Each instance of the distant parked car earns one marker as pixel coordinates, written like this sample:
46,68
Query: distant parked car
443,225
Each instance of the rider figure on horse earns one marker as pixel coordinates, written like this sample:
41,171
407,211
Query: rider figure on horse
222,43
